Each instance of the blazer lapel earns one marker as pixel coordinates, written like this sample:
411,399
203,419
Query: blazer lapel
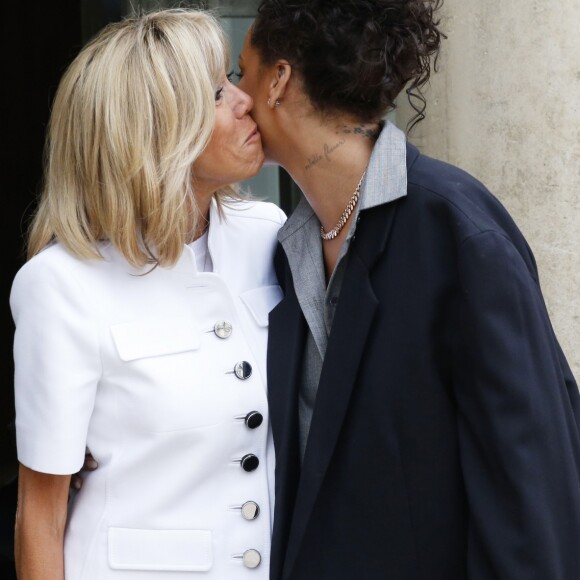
287,334
351,325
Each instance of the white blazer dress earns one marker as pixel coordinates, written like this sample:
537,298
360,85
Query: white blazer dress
162,375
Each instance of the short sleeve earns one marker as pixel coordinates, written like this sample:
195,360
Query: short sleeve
57,365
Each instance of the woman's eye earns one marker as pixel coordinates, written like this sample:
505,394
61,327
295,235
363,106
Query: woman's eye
218,94
236,75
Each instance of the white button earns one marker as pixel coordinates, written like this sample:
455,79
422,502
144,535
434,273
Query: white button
223,329
252,558
250,510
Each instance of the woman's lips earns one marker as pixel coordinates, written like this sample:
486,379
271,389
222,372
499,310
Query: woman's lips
254,135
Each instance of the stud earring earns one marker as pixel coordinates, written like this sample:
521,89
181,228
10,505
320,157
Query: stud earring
277,103
269,100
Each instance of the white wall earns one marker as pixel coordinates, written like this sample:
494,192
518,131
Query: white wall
505,107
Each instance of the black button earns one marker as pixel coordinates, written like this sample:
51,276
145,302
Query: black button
243,370
249,462
253,420
334,300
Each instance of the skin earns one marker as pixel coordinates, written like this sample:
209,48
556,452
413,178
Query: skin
234,153
325,155
40,524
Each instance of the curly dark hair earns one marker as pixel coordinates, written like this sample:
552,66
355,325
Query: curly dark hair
354,56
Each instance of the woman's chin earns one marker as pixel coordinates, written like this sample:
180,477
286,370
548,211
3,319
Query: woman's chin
258,166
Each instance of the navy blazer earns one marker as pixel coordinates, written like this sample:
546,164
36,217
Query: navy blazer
444,443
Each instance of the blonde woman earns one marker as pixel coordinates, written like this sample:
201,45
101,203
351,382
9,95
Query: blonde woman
141,318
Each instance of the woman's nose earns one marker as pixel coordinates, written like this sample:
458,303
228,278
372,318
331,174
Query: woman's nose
244,102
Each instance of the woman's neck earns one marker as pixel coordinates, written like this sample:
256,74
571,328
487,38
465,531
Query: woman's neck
203,203
327,161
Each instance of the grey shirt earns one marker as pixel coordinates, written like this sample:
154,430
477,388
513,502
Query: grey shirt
385,181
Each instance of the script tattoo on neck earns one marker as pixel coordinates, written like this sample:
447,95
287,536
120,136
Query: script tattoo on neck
369,131
327,151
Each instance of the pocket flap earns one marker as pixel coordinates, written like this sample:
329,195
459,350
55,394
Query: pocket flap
261,301
145,338
170,550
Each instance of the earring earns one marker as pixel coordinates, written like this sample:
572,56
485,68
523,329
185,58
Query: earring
277,103
269,100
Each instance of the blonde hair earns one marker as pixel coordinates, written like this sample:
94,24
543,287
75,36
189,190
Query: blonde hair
131,115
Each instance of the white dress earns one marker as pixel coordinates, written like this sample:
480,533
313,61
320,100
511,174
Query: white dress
144,370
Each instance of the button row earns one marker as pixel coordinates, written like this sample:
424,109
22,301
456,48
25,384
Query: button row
223,329
250,510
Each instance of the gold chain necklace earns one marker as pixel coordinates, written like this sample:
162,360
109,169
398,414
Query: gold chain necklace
345,214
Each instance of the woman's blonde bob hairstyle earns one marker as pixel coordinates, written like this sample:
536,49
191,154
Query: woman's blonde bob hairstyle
131,115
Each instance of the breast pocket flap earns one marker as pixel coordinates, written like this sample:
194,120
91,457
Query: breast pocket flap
167,550
146,338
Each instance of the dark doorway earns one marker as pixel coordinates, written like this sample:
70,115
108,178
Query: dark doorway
40,39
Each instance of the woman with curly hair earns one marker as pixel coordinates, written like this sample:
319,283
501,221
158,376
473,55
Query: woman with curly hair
425,419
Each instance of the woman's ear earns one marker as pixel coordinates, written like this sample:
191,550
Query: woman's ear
279,83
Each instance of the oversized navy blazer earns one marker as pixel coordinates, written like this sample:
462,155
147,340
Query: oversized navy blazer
444,443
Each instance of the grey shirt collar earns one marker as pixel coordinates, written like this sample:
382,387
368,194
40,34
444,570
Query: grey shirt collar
385,181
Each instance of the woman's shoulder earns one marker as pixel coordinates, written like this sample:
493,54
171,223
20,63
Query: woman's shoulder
445,181
57,258
50,260
451,203
47,278
57,267
468,204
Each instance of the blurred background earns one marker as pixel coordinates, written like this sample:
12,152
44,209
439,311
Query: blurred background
503,106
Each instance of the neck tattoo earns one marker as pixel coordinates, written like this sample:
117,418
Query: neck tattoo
371,132
327,151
